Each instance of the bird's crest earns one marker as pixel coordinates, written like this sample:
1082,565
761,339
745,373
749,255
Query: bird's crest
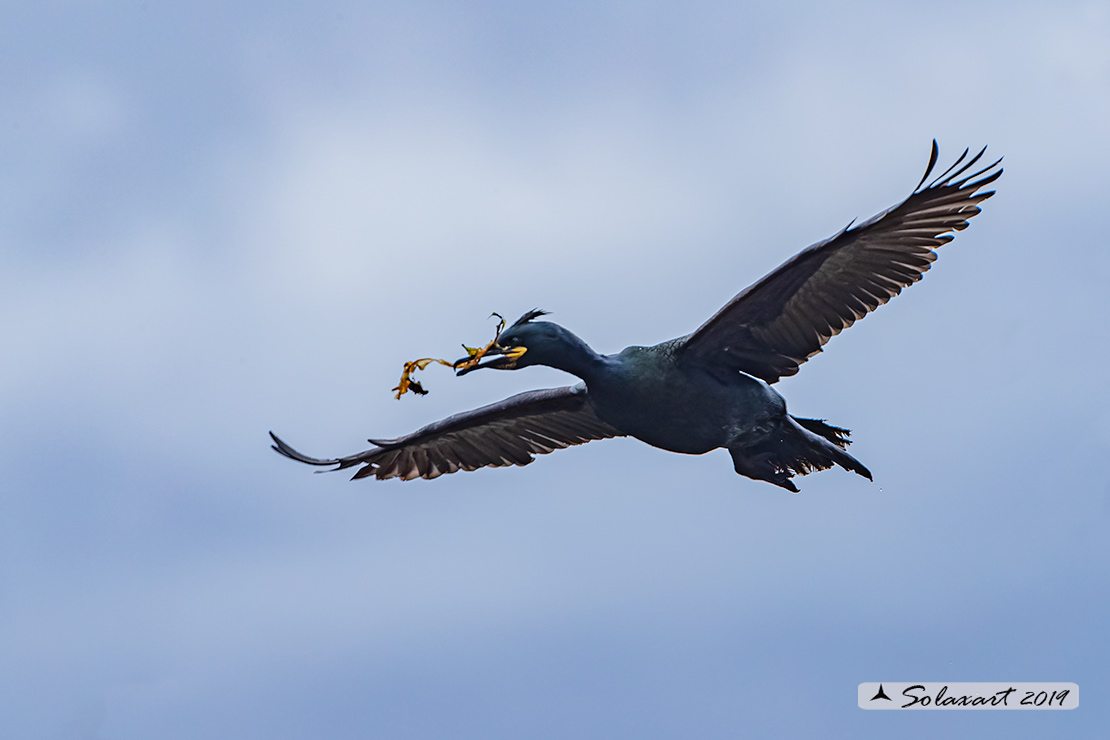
535,313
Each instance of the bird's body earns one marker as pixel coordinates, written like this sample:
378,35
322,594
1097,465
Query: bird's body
647,394
710,389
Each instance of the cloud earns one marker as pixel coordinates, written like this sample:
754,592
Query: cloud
257,228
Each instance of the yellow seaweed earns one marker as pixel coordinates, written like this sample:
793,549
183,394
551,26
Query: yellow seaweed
474,355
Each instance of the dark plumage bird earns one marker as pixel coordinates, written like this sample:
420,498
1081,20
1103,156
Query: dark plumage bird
711,388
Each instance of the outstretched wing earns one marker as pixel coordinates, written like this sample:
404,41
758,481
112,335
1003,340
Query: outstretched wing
784,319
509,432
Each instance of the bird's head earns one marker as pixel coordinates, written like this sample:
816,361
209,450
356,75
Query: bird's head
526,342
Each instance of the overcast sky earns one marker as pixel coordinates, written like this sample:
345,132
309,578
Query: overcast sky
220,219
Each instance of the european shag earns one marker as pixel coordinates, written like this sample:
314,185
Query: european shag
708,389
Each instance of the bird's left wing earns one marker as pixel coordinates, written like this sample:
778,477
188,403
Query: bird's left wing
771,328
509,432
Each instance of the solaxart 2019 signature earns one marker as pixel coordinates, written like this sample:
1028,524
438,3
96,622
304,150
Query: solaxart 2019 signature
917,694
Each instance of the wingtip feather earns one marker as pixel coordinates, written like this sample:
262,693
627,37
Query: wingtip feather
933,155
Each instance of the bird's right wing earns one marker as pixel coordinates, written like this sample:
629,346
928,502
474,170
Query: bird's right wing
509,432
771,328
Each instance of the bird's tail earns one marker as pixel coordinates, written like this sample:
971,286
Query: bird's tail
836,435
820,454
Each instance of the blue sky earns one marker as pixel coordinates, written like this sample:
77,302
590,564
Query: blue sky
217,221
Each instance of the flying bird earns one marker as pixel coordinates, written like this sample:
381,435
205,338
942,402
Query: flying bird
709,389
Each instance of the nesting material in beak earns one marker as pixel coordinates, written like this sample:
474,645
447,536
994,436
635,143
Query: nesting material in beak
474,355
506,359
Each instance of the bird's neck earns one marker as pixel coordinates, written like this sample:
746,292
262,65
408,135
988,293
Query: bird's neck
577,358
